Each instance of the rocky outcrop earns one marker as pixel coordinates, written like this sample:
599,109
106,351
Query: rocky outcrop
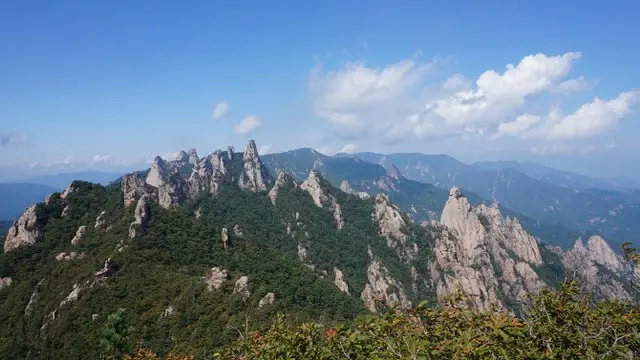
174,192
141,213
600,271
282,180
100,221
215,277
67,192
225,238
159,173
70,256
4,282
382,289
230,152
391,225
255,176
193,157
109,268
339,281
133,187
237,231
33,298
78,236
26,231
72,297
393,172
168,311
346,187
312,185
242,288
488,257
268,299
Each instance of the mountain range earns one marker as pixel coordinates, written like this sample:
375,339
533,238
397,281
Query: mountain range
200,247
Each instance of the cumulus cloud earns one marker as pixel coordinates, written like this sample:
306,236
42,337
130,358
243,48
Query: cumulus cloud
247,125
219,110
111,160
265,149
330,151
396,103
9,139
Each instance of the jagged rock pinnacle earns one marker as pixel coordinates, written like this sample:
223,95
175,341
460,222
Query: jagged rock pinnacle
158,173
255,176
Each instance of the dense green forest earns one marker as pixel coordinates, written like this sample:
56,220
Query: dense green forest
151,296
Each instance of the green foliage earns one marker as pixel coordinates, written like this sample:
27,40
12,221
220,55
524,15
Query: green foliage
561,324
116,336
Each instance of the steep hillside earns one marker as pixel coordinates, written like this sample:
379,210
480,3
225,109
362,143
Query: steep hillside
421,201
542,197
199,250
15,197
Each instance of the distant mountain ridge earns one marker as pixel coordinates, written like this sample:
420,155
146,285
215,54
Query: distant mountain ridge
15,197
60,181
608,212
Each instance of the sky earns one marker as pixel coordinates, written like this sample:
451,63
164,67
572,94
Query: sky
106,85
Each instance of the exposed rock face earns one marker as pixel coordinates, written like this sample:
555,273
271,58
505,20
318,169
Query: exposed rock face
207,175
70,256
486,256
585,263
174,192
72,297
268,299
393,172
215,277
133,188
302,253
242,287
382,288
168,312
313,187
236,230
255,176
67,192
193,157
141,214
346,187
159,173
100,220
225,238
4,282
391,225
109,268
26,231
33,298
230,152
282,180
78,236
339,281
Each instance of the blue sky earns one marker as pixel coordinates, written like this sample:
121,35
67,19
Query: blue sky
102,85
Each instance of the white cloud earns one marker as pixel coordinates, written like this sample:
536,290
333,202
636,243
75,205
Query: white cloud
348,149
265,149
563,148
170,156
361,101
521,124
572,85
219,110
111,160
247,125
594,118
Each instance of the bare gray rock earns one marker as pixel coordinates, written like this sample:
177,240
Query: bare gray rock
215,277
383,289
78,236
70,256
225,238
141,213
339,281
167,312
159,173
26,231
312,185
268,299
346,187
237,231
4,282
242,288
282,180
391,225
255,176
206,177
109,268
100,221
133,187
174,192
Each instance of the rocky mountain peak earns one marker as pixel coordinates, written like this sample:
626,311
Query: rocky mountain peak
159,173
282,180
26,231
182,156
193,157
312,186
255,176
